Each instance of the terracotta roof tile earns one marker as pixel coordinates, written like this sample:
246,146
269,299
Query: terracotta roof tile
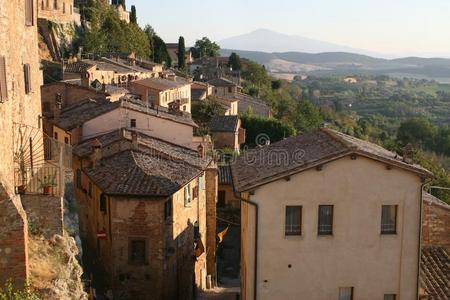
224,124
160,84
225,175
299,153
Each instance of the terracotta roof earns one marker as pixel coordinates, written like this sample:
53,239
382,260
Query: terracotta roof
78,67
257,106
198,85
224,124
221,82
160,84
434,200
76,115
135,173
302,152
147,143
435,273
225,175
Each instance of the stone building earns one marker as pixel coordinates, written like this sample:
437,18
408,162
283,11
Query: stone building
30,169
226,197
326,216
164,92
145,205
59,11
226,132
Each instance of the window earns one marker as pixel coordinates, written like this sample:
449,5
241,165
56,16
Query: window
55,4
27,79
66,140
221,199
168,210
64,7
187,195
293,225
55,135
325,220
29,12
78,178
133,123
137,251
103,203
3,85
389,219
230,89
346,293
390,296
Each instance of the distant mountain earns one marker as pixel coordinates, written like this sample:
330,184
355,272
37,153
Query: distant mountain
344,63
270,41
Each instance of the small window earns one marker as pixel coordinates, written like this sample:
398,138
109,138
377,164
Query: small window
325,220
230,89
29,12
133,123
168,210
27,78
137,252
390,297
221,199
55,135
187,195
196,231
3,84
55,4
293,224
103,203
346,293
389,219
78,178
66,140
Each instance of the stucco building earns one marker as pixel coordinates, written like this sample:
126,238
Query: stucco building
146,231
171,93
327,216
226,132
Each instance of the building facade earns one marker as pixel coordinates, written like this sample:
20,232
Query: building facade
226,132
149,240
327,216
20,110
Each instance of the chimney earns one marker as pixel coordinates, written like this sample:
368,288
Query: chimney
408,154
201,151
96,152
134,140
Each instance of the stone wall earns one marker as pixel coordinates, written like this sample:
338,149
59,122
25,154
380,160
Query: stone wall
211,200
59,11
19,46
44,213
435,223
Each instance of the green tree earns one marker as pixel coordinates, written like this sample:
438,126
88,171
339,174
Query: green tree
133,16
181,54
203,111
8,292
308,117
417,131
234,62
160,53
272,128
205,47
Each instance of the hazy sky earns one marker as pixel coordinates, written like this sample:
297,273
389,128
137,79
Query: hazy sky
399,27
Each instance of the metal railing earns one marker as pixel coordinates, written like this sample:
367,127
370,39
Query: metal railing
57,152
45,180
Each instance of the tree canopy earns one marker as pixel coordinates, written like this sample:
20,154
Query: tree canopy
234,62
133,16
205,47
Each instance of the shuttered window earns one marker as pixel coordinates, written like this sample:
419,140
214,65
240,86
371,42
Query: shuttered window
27,78
293,220
3,84
325,220
29,12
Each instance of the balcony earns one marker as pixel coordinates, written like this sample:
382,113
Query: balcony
45,180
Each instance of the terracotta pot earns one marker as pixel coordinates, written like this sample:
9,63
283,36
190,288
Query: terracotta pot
47,190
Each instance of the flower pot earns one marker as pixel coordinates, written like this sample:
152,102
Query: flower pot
22,189
47,190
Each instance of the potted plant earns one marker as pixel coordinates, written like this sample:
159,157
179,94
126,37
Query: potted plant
47,184
19,158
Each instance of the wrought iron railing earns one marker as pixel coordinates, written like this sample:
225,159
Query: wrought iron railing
46,180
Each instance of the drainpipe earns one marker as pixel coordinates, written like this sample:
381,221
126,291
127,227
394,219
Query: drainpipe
420,241
255,283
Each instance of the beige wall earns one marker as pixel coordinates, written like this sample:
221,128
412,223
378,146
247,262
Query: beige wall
163,98
356,255
167,130
62,13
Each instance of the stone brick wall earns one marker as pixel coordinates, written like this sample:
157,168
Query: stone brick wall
13,240
19,46
44,213
59,11
436,223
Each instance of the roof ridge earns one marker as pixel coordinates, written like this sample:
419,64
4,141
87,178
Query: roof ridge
333,134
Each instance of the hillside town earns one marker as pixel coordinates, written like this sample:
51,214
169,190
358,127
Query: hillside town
124,176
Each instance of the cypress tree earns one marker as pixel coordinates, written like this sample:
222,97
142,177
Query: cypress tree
133,17
181,54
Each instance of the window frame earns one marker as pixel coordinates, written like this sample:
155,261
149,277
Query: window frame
27,78
3,80
390,295
168,210
292,232
103,204
384,231
133,123
221,195
320,232
352,290
132,261
29,13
